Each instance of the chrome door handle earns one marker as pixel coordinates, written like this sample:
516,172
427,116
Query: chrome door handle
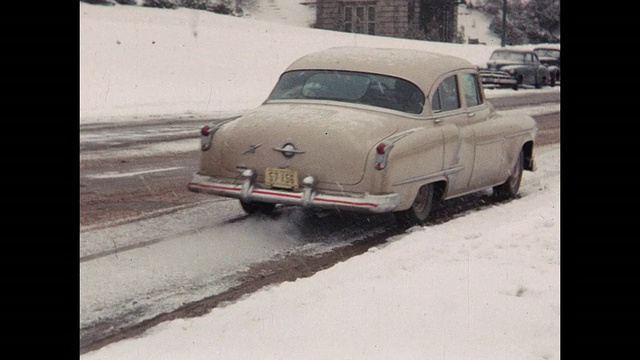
472,114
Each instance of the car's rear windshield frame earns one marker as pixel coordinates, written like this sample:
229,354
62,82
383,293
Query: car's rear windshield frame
351,87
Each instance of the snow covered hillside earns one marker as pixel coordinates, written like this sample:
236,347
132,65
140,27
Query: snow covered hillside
138,62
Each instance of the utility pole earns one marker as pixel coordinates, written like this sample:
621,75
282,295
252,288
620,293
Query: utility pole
504,22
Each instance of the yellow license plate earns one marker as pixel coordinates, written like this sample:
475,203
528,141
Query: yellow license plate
281,178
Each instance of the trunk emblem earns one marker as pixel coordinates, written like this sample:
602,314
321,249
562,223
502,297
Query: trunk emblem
289,150
252,149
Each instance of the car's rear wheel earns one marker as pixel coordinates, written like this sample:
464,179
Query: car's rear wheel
421,207
509,189
257,206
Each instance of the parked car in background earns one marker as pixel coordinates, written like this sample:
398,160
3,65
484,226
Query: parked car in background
514,68
367,130
550,57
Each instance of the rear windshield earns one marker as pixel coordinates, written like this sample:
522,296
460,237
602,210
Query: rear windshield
352,87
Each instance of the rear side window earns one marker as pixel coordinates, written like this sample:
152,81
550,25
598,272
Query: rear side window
471,87
446,96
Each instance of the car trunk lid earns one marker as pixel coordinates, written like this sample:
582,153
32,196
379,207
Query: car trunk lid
327,142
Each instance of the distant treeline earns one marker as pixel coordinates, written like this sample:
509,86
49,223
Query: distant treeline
528,21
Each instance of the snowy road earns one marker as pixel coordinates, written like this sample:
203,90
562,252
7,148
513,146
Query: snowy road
136,271
189,256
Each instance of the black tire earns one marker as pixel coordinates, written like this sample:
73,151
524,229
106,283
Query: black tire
553,80
256,206
509,189
421,207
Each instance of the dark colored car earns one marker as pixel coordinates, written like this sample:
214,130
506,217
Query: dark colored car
550,57
514,68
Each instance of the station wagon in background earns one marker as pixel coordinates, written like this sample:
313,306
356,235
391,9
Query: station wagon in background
514,68
368,130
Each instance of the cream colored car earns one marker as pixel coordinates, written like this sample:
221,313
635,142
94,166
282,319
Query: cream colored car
370,130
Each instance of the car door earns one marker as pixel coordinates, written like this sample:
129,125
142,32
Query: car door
540,69
451,118
530,70
489,154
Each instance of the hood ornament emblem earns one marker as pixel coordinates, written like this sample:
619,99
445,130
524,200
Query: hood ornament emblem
252,149
288,150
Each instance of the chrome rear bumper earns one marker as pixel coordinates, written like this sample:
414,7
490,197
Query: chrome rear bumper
247,190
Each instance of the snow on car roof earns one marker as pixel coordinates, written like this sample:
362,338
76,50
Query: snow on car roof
513,50
420,67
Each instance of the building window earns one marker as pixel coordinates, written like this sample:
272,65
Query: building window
411,12
359,19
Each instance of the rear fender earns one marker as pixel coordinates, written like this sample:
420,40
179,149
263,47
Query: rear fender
211,151
415,159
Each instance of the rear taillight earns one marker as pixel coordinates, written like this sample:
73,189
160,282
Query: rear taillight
205,139
208,131
382,154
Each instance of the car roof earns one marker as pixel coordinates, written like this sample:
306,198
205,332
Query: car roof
420,67
513,50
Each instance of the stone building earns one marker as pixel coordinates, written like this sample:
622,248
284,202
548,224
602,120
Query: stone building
434,20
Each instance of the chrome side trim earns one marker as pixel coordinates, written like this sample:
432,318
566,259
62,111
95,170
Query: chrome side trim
430,177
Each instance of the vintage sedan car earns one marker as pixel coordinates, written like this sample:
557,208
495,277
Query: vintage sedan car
514,68
368,130
550,57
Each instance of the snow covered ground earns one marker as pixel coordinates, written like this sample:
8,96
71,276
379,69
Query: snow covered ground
139,63
483,286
